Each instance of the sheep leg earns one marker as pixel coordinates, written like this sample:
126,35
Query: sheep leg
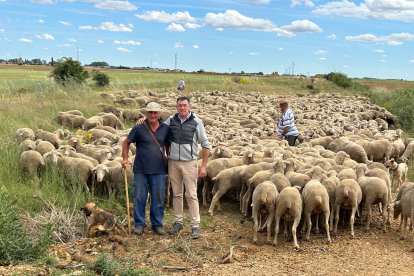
309,225
392,180
331,218
85,186
277,219
255,209
265,224
269,222
352,220
317,224
327,214
337,207
295,225
242,192
285,231
404,230
247,200
205,187
215,200
369,215
384,217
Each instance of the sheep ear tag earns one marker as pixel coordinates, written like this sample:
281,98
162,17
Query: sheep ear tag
218,151
250,155
325,172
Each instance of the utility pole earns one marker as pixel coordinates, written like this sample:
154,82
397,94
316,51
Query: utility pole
175,62
229,70
293,68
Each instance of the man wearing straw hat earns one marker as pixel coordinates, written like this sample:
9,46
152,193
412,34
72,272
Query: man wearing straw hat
149,168
286,128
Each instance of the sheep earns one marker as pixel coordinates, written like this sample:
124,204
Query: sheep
252,183
99,133
132,115
109,109
215,166
72,112
288,207
75,143
27,145
111,120
114,177
316,199
407,210
74,121
376,165
108,129
347,174
397,206
330,185
32,162
51,157
355,152
246,174
378,150
374,191
408,153
220,152
24,134
278,178
62,133
79,169
48,136
44,147
348,195
295,179
224,181
92,122
264,203
398,170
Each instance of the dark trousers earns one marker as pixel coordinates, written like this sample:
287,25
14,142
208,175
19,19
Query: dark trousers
291,139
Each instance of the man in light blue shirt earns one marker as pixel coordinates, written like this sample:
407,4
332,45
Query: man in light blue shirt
286,128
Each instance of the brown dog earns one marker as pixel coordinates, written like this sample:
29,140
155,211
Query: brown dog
99,216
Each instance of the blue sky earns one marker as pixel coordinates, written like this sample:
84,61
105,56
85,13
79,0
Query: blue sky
370,38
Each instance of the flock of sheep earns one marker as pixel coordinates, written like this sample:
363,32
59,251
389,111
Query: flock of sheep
341,159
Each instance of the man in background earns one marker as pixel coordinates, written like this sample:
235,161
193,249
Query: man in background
286,127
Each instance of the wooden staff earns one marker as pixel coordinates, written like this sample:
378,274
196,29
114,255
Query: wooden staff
127,201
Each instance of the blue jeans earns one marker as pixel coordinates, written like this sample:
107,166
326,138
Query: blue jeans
156,184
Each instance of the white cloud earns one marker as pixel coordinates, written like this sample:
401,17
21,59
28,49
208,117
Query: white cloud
124,50
116,5
73,40
411,60
393,39
65,23
280,48
220,29
232,19
384,55
1,30
231,53
25,40
322,58
48,36
79,49
130,42
175,28
192,25
379,51
65,45
38,37
253,54
320,52
108,26
332,36
45,48
307,3
178,45
40,21
302,26
376,9
100,41
347,66
195,46
130,25
383,60
180,17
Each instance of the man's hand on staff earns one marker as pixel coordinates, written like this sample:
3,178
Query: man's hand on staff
125,163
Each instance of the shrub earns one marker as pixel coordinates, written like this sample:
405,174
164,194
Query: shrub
69,70
100,78
16,244
309,86
339,79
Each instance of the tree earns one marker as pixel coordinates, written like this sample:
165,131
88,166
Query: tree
69,70
99,63
100,78
52,62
